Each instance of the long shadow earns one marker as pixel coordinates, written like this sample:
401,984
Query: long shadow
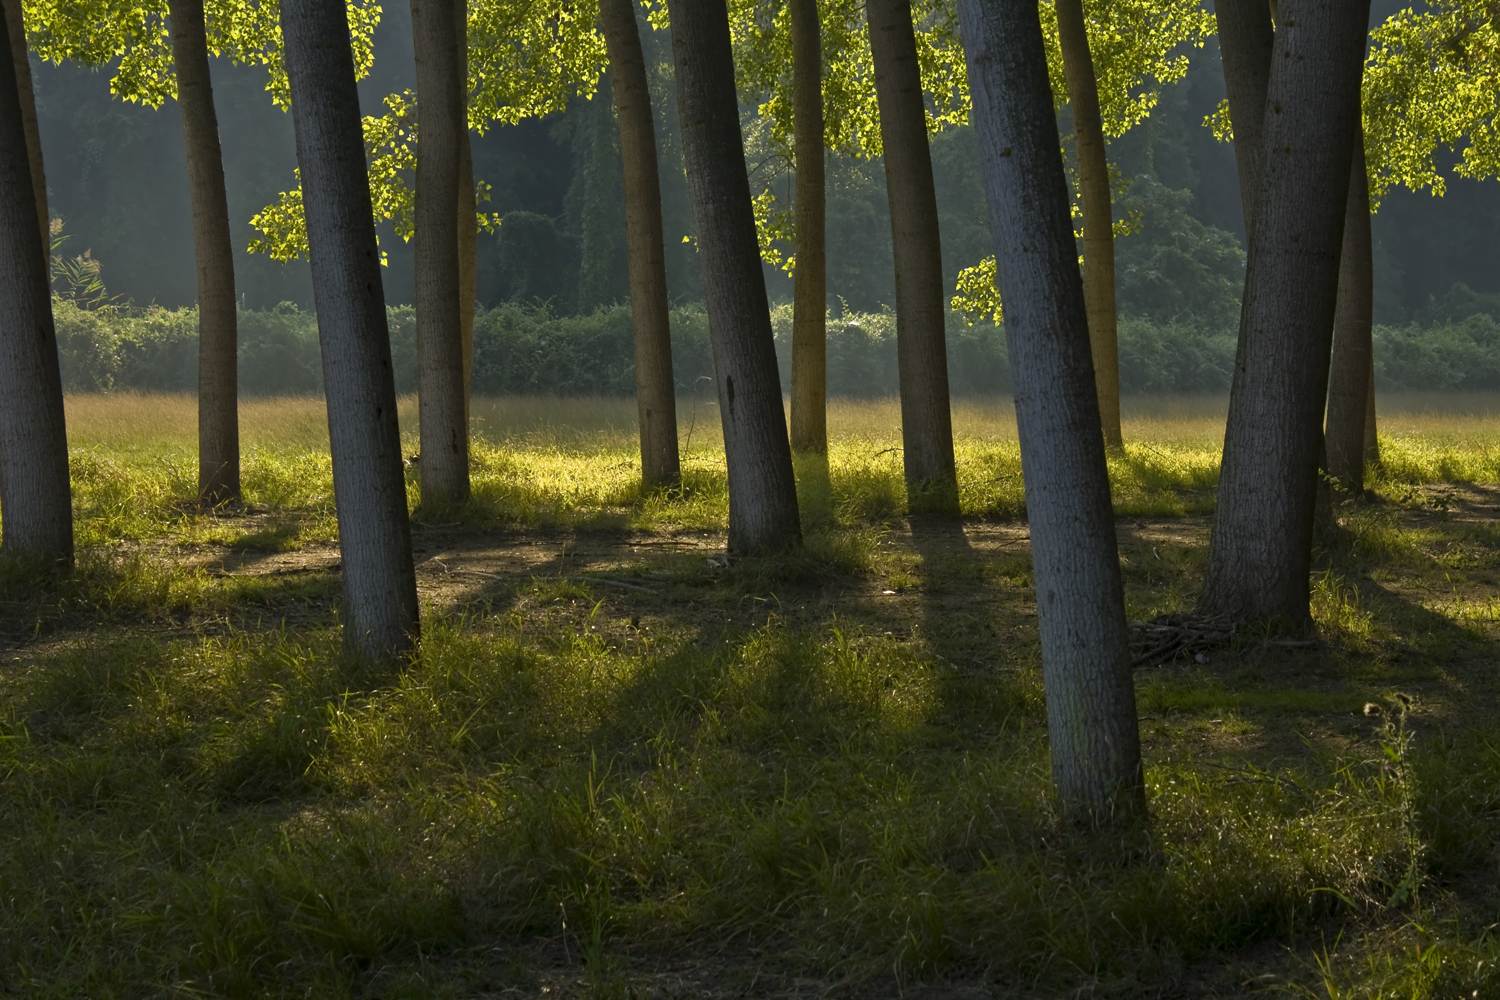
973,618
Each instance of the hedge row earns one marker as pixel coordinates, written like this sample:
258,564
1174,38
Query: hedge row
528,350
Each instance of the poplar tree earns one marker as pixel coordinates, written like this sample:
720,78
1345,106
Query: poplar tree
655,390
441,119
36,508
1350,389
921,341
20,57
380,592
1260,548
1098,213
762,491
1092,728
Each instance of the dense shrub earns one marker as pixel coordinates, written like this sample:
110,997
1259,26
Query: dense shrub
528,350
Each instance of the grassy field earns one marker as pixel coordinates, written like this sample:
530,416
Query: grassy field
621,769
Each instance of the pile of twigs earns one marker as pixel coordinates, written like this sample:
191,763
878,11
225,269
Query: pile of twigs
1183,635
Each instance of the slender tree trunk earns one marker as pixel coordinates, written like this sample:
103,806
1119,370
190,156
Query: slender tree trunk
1353,349
441,401
1091,720
1260,548
655,391
36,507
1245,40
762,490
468,209
1098,214
16,28
1372,441
380,589
218,336
921,347
810,279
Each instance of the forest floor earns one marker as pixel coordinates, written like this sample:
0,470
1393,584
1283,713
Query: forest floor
625,765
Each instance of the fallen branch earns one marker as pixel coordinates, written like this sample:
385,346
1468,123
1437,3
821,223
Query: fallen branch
1180,635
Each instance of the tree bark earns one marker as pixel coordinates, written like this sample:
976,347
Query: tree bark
35,499
1353,349
218,332
921,347
1091,717
380,590
468,209
1098,214
1245,40
762,490
1372,441
810,278
655,391
1260,548
441,401
16,28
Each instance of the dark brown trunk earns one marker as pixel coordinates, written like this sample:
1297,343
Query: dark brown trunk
1245,40
810,278
1372,441
218,336
441,401
1353,349
1091,718
36,508
1098,214
921,347
468,210
762,491
15,27
380,588
1260,548
655,392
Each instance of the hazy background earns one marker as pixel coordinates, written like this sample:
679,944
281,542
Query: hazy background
116,176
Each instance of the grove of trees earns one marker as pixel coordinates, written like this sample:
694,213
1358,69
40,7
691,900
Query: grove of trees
1316,141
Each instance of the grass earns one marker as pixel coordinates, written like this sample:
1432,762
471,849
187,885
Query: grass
729,781
573,463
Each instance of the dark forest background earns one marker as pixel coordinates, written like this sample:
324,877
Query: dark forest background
116,177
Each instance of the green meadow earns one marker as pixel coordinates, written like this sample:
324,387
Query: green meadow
624,766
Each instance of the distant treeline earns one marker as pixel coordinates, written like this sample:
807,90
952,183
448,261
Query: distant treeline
529,350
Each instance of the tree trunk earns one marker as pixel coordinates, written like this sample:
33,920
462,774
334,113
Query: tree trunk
1372,441
1091,718
16,28
380,589
468,209
921,347
1260,548
441,402
1353,349
1245,40
655,391
218,336
1098,214
762,491
35,501
810,278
